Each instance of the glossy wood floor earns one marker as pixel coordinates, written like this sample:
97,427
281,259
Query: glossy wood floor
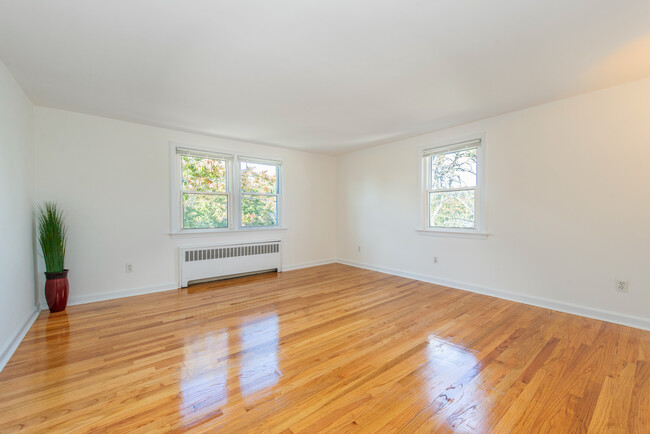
325,349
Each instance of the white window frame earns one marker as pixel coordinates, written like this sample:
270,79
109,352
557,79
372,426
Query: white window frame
278,194
233,182
425,154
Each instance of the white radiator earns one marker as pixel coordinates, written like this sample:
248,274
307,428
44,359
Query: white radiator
228,260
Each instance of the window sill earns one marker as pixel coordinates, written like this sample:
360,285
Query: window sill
207,232
453,234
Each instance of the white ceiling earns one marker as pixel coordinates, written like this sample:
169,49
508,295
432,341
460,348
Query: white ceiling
326,76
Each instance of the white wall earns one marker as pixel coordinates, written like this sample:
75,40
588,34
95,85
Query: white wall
568,205
112,180
17,293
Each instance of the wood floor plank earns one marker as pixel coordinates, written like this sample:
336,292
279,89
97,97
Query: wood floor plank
325,349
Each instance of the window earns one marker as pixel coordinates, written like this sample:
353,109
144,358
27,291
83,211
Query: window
259,193
453,187
205,190
221,192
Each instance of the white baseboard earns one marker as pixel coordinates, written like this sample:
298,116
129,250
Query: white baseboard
308,264
103,296
603,315
574,309
10,349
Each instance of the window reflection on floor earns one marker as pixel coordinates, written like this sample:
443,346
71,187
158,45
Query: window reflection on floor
203,377
454,386
208,375
259,362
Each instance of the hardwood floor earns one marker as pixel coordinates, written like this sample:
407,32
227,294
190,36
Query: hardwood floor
325,349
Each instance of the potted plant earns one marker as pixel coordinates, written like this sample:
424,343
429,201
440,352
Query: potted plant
52,238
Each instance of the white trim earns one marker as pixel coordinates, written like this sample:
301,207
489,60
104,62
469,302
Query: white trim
308,264
599,314
236,200
456,145
453,233
10,349
255,160
546,303
452,141
433,190
202,153
206,232
112,295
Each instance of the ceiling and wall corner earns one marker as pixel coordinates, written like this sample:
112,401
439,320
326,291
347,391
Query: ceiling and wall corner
318,76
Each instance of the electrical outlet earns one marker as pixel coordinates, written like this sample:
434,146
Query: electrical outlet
129,268
622,286
435,259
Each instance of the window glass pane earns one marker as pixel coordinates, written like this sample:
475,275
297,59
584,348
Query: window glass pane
204,211
452,209
258,178
454,169
259,210
203,174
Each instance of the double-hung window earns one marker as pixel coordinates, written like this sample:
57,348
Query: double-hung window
206,192
259,190
219,192
453,187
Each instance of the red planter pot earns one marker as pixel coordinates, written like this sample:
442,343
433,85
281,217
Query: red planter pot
56,290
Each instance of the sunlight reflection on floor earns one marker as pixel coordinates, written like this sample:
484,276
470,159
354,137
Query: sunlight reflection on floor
203,377
207,378
259,363
457,406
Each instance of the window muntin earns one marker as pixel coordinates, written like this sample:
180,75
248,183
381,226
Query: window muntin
453,186
205,191
259,189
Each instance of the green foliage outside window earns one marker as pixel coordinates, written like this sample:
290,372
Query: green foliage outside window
259,209
454,209
205,193
202,211
204,175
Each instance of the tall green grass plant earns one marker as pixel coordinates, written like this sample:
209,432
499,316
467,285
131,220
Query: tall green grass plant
52,233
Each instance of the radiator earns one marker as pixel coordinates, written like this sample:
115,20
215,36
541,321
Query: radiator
228,260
